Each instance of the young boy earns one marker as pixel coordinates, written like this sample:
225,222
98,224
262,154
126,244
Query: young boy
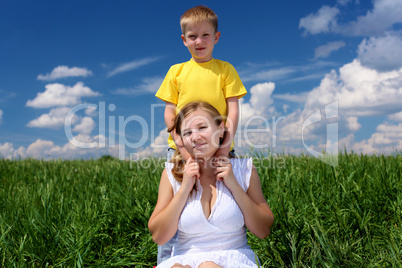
202,78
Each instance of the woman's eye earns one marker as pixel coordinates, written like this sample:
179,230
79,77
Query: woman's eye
186,134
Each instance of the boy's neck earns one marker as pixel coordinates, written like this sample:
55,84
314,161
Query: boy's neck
200,62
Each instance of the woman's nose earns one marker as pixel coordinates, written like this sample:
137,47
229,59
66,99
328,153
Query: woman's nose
195,136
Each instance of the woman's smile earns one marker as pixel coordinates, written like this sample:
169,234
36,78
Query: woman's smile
200,145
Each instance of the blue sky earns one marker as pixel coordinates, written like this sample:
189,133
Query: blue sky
78,78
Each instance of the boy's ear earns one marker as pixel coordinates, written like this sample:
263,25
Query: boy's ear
184,39
217,36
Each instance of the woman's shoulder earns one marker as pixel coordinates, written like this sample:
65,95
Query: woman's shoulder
242,163
168,169
242,168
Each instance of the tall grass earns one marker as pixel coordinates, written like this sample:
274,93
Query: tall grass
347,216
76,213
94,213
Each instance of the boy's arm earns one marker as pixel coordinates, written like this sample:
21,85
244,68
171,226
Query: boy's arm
232,121
170,114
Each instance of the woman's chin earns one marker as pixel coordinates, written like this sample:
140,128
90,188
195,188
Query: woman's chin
202,156
198,155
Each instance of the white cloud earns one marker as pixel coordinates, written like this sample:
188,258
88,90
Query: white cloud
69,150
300,97
1,116
54,119
47,149
321,22
343,2
285,108
8,151
361,91
259,104
389,128
6,96
396,117
125,67
64,71
381,53
149,85
325,50
387,139
86,126
290,128
315,76
384,15
261,96
92,112
41,149
158,147
61,95
286,74
269,75
352,123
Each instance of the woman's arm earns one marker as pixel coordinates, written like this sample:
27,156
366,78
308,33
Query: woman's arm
258,216
257,213
164,220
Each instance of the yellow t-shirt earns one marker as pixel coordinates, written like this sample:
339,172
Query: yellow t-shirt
213,82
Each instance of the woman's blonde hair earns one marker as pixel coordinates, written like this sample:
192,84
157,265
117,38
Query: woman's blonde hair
196,15
188,109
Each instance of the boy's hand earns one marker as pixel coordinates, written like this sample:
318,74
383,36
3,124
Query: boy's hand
223,151
224,172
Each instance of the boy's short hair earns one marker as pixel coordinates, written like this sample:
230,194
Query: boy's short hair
198,14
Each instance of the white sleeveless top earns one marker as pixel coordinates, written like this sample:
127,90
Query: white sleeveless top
222,237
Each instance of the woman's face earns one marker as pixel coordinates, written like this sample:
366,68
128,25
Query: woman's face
201,134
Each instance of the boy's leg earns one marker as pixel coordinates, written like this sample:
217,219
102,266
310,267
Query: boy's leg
233,154
170,154
165,251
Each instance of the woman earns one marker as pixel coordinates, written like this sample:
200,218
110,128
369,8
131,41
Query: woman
210,201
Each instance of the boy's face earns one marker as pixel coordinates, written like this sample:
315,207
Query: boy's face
200,39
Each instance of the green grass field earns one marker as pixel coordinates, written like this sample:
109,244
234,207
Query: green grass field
94,213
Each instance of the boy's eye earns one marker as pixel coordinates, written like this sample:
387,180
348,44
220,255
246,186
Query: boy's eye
187,133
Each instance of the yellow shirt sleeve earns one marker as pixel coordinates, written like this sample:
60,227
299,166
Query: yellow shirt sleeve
233,84
168,90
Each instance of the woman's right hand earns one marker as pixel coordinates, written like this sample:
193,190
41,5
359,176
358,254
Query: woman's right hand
190,174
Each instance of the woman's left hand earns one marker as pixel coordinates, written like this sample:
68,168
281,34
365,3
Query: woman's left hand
224,172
